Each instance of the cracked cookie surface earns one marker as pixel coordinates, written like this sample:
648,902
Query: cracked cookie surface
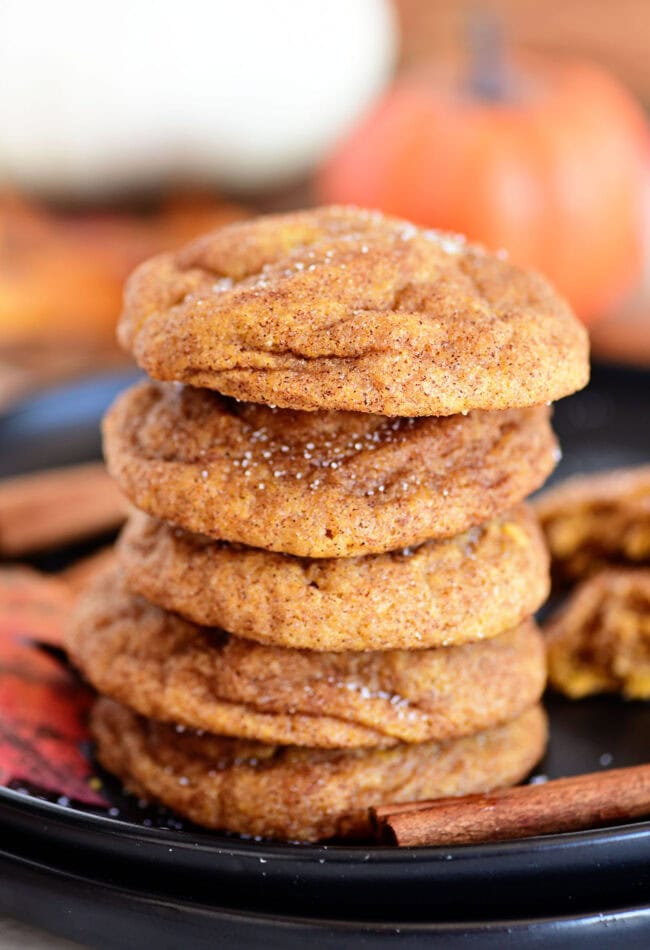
175,671
302,794
319,484
339,308
469,587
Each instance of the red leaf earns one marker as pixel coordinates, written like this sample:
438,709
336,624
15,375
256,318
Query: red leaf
43,708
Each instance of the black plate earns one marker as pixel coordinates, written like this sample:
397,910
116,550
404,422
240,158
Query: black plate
117,881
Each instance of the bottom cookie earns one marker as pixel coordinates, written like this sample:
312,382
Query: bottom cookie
296,793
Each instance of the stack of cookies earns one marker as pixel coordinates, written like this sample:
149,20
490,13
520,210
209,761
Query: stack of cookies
324,599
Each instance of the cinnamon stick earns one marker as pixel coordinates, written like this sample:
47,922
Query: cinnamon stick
58,506
565,804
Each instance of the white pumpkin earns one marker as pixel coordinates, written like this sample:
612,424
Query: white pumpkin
244,93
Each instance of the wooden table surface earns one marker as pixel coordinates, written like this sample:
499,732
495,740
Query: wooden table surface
15,935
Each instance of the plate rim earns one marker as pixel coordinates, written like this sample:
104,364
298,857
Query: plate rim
205,841
474,926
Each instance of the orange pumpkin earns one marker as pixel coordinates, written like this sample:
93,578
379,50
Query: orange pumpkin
553,170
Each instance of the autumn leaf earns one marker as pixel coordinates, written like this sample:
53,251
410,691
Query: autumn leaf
43,707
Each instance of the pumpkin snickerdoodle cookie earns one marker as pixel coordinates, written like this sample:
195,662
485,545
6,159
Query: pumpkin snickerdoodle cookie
319,484
468,587
298,793
339,308
598,520
599,641
200,677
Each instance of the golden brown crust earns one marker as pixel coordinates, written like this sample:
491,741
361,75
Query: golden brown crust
600,640
472,586
339,308
327,484
592,521
298,793
174,671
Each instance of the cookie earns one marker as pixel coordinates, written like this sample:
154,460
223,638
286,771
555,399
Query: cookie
592,521
600,640
319,484
172,670
297,793
466,588
339,308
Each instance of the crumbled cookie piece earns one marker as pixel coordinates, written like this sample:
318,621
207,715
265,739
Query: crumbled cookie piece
595,521
600,640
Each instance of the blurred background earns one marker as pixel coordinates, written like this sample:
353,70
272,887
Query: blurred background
129,128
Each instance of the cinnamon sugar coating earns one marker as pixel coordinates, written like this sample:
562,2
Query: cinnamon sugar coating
297,793
339,308
469,587
319,484
200,677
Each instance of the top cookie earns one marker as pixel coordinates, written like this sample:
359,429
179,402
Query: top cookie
339,308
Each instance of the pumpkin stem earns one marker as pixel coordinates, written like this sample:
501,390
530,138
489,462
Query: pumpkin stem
488,71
